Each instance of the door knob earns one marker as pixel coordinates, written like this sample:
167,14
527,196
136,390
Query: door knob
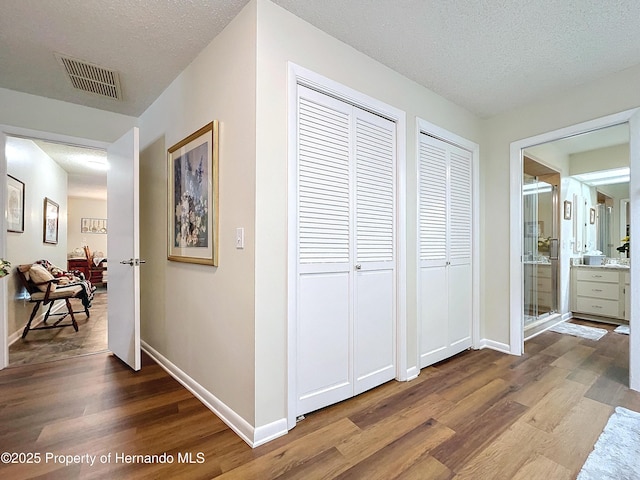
133,262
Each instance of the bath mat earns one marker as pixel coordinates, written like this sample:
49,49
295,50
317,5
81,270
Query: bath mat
623,329
583,331
615,454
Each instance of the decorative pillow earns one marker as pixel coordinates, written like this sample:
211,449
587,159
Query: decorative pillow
40,274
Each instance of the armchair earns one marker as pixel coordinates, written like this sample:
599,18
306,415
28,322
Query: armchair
43,289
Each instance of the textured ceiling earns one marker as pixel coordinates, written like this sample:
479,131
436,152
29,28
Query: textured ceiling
148,42
485,55
488,56
83,180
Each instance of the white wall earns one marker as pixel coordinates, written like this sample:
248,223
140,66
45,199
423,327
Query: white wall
201,318
231,333
282,37
80,208
42,178
48,115
609,95
599,159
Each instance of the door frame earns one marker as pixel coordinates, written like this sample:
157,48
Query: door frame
428,128
298,75
11,131
631,117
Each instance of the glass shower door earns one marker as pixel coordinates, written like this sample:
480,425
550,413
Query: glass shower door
540,250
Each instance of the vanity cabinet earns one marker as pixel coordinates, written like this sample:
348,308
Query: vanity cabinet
599,293
538,285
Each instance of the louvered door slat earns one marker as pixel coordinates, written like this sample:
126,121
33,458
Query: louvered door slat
433,200
323,183
375,189
460,204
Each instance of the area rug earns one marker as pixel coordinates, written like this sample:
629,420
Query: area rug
583,331
623,329
616,453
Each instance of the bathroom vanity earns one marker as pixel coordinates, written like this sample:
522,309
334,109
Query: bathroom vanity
600,293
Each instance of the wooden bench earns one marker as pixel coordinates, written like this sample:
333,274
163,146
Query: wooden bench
48,296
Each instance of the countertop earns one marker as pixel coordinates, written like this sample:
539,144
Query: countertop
604,267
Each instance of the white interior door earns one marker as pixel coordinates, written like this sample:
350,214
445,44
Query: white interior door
123,244
324,373
346,285
4,346
375,271
445,238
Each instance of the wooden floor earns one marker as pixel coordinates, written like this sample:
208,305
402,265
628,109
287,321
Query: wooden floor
58,343
480,415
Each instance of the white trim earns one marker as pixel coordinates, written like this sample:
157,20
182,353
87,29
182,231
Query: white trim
490,344
428,128
252,436
8,130
298,75
4,314
52,137
412,373
632,117
634,307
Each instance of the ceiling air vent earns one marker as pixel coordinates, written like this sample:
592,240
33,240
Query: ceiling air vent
92,78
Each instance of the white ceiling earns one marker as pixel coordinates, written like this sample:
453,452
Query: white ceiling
485,55
83,179
488,56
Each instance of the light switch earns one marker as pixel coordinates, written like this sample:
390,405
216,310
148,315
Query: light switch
240,237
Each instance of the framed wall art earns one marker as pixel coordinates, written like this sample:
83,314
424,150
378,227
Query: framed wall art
567,210
93,225
50,227
192,173
592,216
15,205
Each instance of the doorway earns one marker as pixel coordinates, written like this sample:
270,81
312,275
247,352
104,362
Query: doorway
75,178
573,242
34,214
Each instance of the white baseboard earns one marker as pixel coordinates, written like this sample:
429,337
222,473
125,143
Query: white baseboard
254,436
499,346
412,373
15,336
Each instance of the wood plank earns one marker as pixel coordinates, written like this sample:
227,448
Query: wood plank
504,456
466,417
401,454
541,468
553,407
477,434
574,357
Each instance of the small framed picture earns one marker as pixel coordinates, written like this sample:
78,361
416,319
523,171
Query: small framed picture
592,216
50,227
15,205
567,210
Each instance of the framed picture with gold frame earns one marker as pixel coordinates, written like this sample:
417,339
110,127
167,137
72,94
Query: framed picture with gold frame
51,212
192,173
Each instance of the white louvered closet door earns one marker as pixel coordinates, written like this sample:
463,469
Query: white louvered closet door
375,218
346,262
445,240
